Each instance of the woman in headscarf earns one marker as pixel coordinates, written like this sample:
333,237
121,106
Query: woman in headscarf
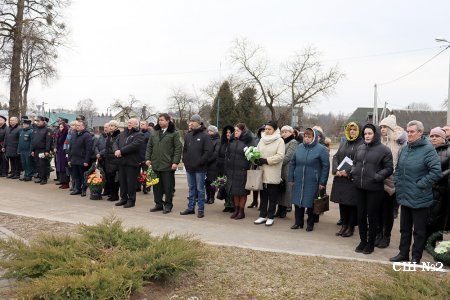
343,190
308,173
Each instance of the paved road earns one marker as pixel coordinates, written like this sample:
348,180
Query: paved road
49,202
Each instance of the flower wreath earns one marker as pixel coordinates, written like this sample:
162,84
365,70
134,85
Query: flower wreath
443,257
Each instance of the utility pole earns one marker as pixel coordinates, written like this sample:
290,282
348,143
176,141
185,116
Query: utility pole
375,106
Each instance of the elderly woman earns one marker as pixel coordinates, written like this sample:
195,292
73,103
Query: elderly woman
343,191
290,145
371,166
308,174
440,207
236,166
271,147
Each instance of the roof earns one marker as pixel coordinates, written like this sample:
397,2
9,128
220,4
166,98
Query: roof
430,119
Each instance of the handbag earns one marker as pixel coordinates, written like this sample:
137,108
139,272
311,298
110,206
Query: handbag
221,194
321,203
254,180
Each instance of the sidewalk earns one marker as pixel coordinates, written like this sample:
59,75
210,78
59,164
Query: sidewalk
49,202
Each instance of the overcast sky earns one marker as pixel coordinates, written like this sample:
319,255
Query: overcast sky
145,48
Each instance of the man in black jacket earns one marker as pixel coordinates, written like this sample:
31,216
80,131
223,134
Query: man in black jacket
127,150
41,145
196,153
80,152
11,144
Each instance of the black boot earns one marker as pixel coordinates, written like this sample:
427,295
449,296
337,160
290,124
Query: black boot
343,229
130,203
283,212
121,202
378,239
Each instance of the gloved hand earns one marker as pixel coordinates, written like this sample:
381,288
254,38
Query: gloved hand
262,161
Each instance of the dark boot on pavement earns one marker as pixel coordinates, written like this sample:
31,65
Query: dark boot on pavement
343,229
130,203
121,202
349,231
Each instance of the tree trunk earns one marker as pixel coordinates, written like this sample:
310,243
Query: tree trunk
15,89
24,100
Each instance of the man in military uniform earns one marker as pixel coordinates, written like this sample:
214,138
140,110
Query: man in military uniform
41,144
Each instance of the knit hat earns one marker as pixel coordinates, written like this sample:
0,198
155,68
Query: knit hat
3,117
213,129
439,132
196,118
287,128
390,121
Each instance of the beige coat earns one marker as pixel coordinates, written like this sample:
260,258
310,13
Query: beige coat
272,148
394,141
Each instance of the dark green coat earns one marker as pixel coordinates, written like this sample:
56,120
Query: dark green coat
418,167
163,150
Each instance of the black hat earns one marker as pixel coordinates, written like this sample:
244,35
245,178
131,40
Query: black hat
46,119
24,118
3,117
81,118
64,120
40,118
272,124
27,121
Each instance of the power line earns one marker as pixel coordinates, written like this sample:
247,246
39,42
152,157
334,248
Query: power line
417,68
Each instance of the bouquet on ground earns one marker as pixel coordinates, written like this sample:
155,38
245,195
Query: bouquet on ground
219,183
95,181
252,154
149,178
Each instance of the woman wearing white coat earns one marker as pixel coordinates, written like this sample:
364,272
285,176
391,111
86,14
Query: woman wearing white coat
272,151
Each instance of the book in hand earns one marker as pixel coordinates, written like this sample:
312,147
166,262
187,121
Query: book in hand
345,164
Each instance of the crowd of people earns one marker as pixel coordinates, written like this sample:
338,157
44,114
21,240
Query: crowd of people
375,169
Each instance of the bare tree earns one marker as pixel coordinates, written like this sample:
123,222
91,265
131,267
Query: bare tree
42,15
419,106
253,63
306,78
236,85
88,109
184,104
132,108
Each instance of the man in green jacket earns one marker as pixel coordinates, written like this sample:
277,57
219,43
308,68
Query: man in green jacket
163,155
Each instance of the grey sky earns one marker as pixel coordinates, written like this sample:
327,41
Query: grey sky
145,48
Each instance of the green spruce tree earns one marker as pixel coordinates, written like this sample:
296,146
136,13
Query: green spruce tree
248,109
227,110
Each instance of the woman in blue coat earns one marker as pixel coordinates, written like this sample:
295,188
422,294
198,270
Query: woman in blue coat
308,173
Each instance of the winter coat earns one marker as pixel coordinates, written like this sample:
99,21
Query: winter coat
111,164
12,141
70,133
272,148
42,140
197,150
440,205
309,168
394,140
418,167
146,134
129,142
224,143
236,165
290,145
80,149
100,146
25,136
343,190
163,150
61,157
213,171
372,163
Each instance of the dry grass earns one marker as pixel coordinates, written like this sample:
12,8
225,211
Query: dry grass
236,273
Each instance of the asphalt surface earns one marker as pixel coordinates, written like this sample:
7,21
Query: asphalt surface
50,202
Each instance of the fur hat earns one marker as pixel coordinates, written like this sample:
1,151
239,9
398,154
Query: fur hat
213,129
439,132
196,118
390,121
